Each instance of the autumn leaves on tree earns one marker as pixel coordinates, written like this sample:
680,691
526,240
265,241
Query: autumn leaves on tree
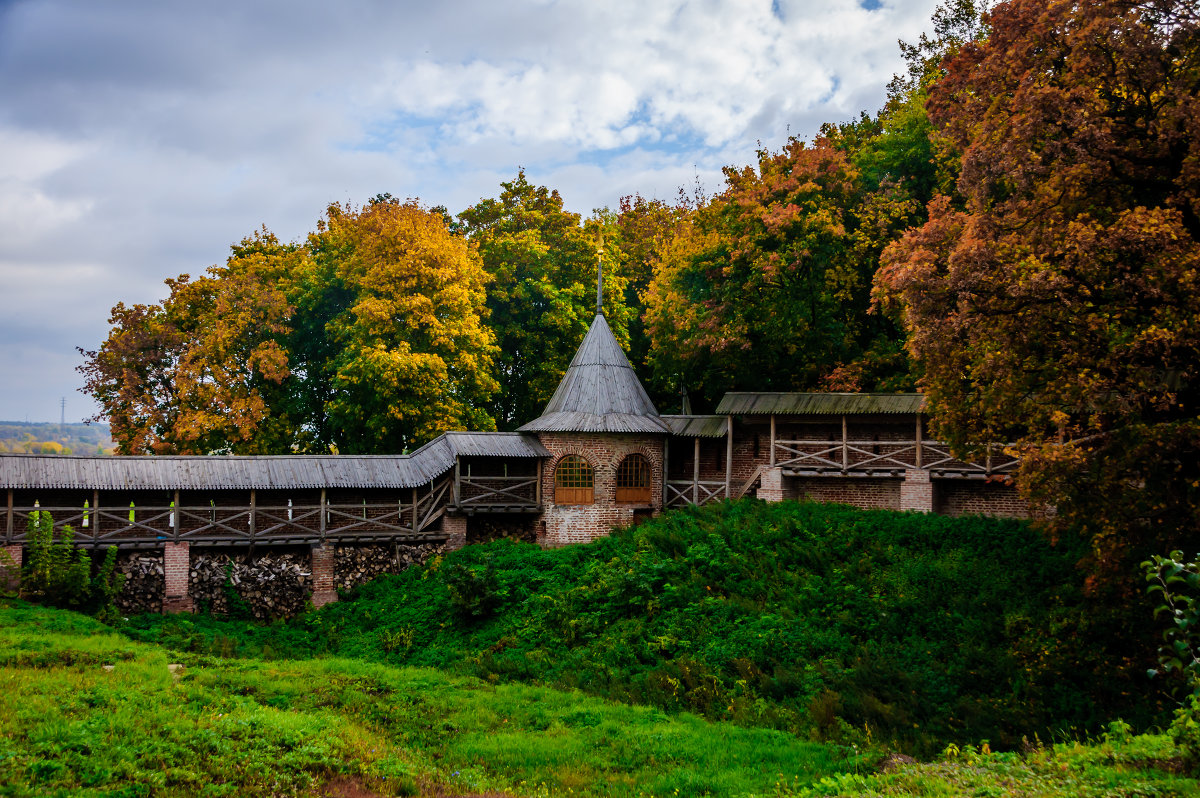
1016,233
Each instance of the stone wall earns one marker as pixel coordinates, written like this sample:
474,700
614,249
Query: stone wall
580,523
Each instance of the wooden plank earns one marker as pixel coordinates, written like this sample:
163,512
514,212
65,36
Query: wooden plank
696,471
772,440
8,531
729,457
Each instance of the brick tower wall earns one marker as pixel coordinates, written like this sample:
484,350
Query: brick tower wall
580,523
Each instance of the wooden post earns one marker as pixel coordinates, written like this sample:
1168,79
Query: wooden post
845,451
414,521
666,487
919,443
8,531
95,515
323,519
252,509
772,440
537,482
696,470
988,461
728,456
457,477
175,517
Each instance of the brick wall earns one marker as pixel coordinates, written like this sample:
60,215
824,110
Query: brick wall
10,578
867,493
976,497
324,571
455,528
916,491
580,523
177,567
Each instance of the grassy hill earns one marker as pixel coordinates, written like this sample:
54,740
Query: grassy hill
87,712
829,623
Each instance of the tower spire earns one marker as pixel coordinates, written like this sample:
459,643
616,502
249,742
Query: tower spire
600,277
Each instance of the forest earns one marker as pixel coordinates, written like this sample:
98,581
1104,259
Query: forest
1016,233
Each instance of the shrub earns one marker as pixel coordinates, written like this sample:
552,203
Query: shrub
58,574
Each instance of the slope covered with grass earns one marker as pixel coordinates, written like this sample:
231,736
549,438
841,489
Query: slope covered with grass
840,624
86,712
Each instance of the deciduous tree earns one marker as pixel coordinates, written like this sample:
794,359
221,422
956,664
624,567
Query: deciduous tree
1059,305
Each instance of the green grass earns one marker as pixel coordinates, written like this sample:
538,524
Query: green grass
826,622
71,727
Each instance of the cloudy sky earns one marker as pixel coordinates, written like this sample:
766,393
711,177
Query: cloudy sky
138,140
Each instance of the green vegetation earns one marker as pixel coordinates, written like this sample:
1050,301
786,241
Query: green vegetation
87,712
861,627
18,437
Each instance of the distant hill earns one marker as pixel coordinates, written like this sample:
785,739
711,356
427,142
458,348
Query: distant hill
22,437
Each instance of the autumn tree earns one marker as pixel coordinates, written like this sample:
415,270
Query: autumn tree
1056,302
368,337
198,371
542,263
404,353
767,288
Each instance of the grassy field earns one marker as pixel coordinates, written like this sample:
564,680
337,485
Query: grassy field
830,623
85,711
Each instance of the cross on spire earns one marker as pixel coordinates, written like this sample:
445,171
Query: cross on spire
600,278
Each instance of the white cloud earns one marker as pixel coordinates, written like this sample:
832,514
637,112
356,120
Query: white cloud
138,140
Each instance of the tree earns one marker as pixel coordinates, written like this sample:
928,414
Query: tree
542,263
1059,305
195,373
411,356
367,338
767,288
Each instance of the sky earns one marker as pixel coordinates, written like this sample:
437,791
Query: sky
139,140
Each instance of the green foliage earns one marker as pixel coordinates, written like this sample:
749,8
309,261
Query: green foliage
1177,582
824,621
55,572
59,575
475,591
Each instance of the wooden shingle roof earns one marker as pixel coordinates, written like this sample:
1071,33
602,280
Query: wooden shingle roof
698,426
600,392
264,472
819,404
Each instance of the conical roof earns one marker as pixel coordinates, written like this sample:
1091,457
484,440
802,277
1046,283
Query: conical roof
600,392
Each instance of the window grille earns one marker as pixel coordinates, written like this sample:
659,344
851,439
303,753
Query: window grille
633,480
574,481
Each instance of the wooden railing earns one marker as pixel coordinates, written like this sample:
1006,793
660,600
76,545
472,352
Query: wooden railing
884,457
141,526
498,492
681,492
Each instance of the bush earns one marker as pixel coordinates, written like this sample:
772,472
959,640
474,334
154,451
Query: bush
58,574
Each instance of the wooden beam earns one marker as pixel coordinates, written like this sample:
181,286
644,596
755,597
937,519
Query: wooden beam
666,494
696,470
8,531
457,481
919,430
845,442
253,519
772,440
728,456
175,516
321,524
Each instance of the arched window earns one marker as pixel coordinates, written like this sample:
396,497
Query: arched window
574,481
633,480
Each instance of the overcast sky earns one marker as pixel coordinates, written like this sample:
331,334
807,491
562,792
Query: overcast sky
138,140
